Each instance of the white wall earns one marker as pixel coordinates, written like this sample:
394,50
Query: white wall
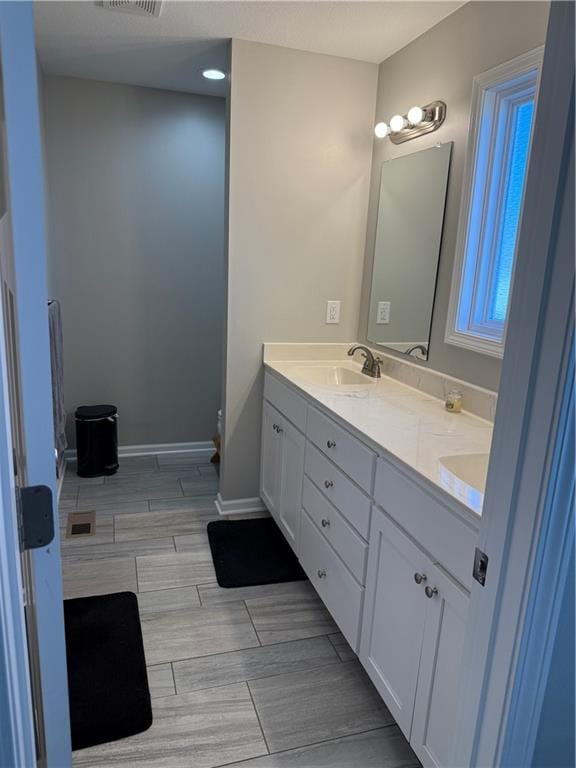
300,153
441,64
136,208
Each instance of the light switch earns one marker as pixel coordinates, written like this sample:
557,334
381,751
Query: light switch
332,311
383,313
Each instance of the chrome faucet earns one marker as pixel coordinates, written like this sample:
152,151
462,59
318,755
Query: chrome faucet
416,347
371,365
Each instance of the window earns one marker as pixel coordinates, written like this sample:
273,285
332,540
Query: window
503,108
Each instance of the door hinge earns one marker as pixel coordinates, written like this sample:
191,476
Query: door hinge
35,516
480,566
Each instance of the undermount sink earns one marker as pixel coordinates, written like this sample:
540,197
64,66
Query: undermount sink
333,376
464,475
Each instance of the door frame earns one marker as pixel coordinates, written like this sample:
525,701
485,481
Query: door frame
26,205
17,746
526,470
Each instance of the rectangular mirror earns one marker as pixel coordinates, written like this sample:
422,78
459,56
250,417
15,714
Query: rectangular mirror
406,255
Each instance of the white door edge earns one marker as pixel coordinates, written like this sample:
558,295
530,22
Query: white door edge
17,746
26,199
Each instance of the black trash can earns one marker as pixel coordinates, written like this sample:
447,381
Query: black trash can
97,440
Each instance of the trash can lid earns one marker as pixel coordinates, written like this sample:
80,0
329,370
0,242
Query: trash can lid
91,412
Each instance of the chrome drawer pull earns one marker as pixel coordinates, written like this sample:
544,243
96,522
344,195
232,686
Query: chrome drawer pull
419,577
325,523
331,443
431,592
328,484
321,574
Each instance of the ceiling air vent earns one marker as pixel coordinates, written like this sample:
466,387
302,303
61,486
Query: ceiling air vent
137,7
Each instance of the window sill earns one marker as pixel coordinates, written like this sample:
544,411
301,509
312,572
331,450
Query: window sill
476,344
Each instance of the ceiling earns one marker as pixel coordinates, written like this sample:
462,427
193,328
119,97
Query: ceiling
79,38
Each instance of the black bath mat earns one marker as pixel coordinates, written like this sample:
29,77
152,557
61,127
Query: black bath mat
251,552
107,681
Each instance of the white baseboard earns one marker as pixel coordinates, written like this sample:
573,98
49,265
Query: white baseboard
205,447
239,506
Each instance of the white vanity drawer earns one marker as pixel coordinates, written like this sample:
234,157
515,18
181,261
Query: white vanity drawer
331,579
348,453
342,492
449,538
351,548
286,401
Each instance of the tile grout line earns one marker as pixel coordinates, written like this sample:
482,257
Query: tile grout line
393,724
325,741
200,596
257,717
336,649
173,677
335,663
292,640
249,648
164,589
76,551
251,622
182,586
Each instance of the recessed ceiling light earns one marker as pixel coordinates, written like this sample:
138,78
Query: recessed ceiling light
213,74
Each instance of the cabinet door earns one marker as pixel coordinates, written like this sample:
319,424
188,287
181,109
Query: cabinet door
394,616
289,508
436,696
270,466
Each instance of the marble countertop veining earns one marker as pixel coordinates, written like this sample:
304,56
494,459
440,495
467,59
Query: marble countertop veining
409,424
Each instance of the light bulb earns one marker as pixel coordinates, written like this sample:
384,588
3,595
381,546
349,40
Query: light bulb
397,123
213,74
415,115
381,130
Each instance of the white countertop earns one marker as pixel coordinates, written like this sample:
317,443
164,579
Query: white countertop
412,426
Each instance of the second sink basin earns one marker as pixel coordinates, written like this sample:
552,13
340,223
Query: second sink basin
464,475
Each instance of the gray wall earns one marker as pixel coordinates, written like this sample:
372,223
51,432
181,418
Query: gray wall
441,65
300,152
136,207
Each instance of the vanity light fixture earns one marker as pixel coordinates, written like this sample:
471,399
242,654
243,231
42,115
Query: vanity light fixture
381,130
418,121
415,115
397,123
213,74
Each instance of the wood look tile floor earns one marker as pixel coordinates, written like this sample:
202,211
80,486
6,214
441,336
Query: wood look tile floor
257,677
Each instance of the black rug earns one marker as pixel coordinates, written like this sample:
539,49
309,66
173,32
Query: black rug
251,552
107,681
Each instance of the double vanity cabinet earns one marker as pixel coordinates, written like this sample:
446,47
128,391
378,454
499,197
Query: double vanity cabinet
389,555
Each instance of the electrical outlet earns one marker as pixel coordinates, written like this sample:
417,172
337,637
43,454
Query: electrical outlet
332,311
383,312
